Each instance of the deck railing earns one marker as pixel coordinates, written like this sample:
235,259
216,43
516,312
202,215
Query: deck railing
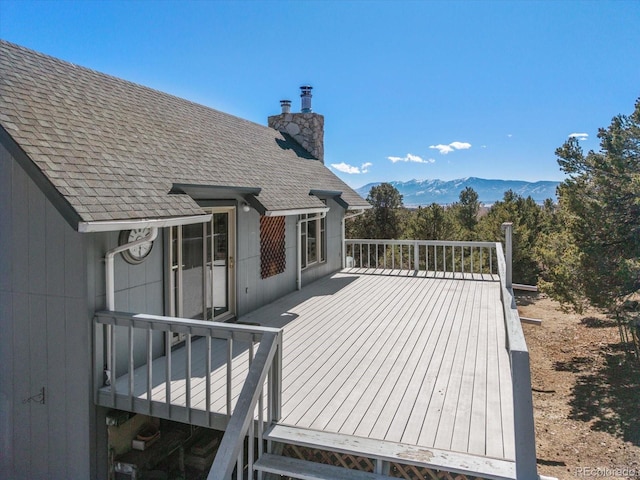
230,454
462,259
524,430
431,256
127,327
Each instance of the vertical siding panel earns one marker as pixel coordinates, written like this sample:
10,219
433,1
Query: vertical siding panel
6,317
21,386
56,392
6,223
79,393
120,267
96,246
154,265
252,283
75,285
54,251
42,260
38,352
138,273
7,400
154,298
37,240
20,231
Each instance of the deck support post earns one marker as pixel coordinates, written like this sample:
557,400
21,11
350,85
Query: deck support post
507,228
382,467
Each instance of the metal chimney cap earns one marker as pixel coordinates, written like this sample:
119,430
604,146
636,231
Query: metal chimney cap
286,106
305,94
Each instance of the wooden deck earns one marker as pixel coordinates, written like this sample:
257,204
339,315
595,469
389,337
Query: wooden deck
391,356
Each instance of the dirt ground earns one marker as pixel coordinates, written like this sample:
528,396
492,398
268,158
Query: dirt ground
586,393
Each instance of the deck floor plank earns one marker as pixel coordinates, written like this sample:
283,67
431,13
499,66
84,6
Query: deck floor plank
394,382
400,404
373,382
440,414
477,427
383,354
414,416
364,349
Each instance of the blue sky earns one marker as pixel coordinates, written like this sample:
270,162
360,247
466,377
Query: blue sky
419,89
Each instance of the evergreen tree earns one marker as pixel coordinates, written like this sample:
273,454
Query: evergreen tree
467,209
433,222
526,217
596,258
385,220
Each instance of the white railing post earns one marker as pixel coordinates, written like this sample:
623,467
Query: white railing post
507,228
276,388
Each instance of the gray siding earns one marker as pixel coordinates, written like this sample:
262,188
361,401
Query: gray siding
254,292
138,288
46,337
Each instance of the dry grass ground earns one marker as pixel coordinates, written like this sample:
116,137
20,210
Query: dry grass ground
586,394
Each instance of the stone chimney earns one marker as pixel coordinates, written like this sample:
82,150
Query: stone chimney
306,127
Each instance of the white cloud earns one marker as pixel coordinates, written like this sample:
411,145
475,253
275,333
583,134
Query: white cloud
351,169
579,136
460,145
444,149
409,157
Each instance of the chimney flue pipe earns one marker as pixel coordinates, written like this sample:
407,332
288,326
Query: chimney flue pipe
305,95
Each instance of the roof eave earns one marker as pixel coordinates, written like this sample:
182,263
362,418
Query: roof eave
117,225
296,211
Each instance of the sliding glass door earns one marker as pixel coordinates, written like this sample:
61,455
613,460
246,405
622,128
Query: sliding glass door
202,259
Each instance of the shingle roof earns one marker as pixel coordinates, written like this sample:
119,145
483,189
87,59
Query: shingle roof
113,149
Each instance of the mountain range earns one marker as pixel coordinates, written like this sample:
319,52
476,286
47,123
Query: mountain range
426,192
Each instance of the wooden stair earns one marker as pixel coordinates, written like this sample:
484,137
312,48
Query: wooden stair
381,452
305,470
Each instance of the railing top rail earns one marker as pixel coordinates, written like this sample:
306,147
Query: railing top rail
422,242
200,327
515,335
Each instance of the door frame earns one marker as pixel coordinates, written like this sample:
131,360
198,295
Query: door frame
175,293
231,260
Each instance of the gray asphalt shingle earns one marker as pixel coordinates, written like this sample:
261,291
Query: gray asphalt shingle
97,138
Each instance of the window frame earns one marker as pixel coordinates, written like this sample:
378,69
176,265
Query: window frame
320,225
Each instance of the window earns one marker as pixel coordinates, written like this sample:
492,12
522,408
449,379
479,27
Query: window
187,292
313,240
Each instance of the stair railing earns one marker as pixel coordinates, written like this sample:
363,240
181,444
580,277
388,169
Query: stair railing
266,366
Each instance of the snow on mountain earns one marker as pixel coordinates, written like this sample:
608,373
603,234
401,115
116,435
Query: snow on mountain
428,191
